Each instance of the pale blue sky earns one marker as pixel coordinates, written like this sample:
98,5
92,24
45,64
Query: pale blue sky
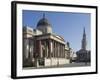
68,25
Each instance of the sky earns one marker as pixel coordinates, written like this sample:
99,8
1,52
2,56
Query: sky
69,25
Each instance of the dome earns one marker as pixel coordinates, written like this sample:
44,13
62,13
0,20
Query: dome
43,22
44,25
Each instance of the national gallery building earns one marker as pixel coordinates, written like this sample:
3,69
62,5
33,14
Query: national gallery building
42,47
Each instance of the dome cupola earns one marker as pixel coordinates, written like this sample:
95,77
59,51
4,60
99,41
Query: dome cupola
43,22
44,25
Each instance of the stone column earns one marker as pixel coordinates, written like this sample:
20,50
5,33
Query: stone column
54,49
62,52
59,50
26,48
30,49
40,49
46,48
49,49
34,54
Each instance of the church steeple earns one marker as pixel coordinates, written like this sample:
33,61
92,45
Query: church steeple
43,15
84,32
84,43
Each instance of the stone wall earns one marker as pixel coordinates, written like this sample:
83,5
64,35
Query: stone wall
56,61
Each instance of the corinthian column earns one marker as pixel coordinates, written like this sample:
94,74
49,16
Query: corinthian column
49,48
40,49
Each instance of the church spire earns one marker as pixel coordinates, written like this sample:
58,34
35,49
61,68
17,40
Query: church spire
84,32
84,40
43,15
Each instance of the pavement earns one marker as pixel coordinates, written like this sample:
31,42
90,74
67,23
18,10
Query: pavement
61,66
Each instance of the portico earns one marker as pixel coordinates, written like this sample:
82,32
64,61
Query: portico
48,47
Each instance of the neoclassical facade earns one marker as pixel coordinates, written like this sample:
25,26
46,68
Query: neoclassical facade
42,47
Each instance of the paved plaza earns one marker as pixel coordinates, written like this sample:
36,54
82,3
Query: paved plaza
62,66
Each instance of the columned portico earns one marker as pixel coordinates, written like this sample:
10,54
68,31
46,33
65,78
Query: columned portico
50,48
